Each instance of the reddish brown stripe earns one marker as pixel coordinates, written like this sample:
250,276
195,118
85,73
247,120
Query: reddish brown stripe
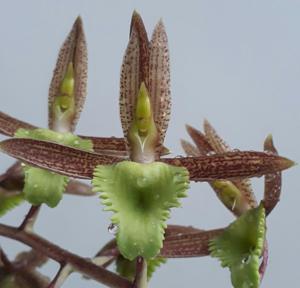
189,245
61,159
231,165
9,125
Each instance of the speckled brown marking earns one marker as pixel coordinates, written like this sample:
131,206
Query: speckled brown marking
215,141
189,149
54,157
231,165
129,83
74,50
9,125
212,142
189,244
149,63
159,80
200,140
109,145
138,26
272,181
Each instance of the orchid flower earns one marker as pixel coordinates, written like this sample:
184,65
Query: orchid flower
133,180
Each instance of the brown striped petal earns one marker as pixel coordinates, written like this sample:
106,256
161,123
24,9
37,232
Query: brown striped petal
212,142
159,79
189,149
138,26
189,244
231,165
216,142
272,181
200,140
130,82
54,157
108,145
178,230
73,50
9,125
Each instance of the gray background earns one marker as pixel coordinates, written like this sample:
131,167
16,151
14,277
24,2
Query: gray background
237,63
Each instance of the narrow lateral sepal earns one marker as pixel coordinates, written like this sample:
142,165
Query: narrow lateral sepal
231,165
140,195
55,157
240,247
9,125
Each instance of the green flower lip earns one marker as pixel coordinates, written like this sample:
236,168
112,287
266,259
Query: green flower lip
140,195
240,246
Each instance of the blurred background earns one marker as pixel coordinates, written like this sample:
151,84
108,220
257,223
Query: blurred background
236,63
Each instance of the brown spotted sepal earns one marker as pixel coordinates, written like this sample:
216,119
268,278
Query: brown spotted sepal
67,90
146,62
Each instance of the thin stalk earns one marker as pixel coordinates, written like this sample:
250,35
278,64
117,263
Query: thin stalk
62,256
30,219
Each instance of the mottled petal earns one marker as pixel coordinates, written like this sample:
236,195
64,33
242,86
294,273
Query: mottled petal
216,142
200,140
189,149
159,79
231,165
138,26
272,181
9,125
130,82
54,157
108,145
73,50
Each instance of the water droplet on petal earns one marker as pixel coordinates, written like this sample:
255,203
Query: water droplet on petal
113,228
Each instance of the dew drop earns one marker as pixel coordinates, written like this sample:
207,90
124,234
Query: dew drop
23,165
35,186
113,228
76,142
245,260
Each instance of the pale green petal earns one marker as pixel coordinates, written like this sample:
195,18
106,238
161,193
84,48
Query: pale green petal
42,186
8,202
